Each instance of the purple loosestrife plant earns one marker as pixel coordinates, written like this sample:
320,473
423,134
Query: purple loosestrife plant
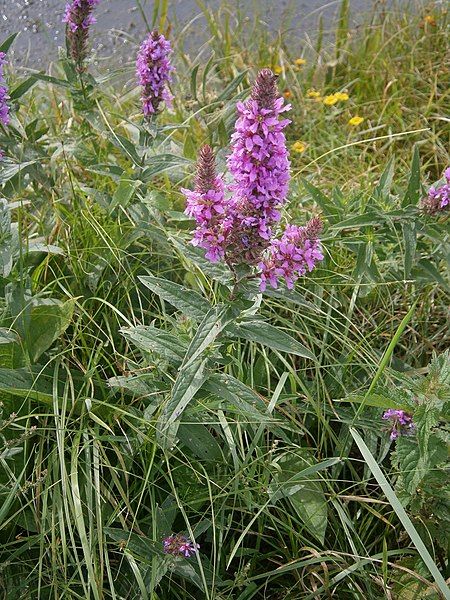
438,199
401,423
154,70
78,18
179,545
238,228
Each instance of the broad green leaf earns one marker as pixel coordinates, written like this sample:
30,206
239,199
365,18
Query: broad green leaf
376,400
300,483
6,259
217,318
47,323
412,195
108,170
268,335
162,163
153,339
190,303
22,88
26,384
6,45
10,170
200,441
187,384
217,271
384,185
330,210
8,337
369,218
123,194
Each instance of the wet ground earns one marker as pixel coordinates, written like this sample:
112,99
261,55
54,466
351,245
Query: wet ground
121,24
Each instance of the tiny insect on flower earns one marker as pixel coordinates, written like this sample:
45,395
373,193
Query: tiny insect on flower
355,121
299,147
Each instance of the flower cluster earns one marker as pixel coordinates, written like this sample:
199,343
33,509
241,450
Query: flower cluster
240,229
291,256
78,18
438,198
401,422
153,71
179,545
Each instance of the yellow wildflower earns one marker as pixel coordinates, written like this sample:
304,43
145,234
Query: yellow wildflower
330,100
342,96
287,93
299,62
299,147
355,121
277,69
312,93
429,20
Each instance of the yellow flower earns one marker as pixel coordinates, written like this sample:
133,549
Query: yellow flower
299,147
287,93
277,69
312,93
429,20
342,96
300,62
355,121
330,100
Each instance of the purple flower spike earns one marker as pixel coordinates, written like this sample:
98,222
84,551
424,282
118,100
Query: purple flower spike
293,255
78,18
239,227
438,198
179,545
4,108
154,72
207,206
401,422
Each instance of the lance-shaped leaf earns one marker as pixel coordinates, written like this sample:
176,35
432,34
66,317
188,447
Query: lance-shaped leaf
268,335
191,303
153,339
187,384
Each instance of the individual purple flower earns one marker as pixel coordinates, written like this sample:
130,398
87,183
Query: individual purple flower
179,545
291,256
78,18
438,198
154,70
4,107
401,422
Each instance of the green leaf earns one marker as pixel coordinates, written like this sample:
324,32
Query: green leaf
153,339
162,163
6,259
217,318
300,483
330,210
26,384
187,384
22,88
410,240
190,303
6,45
48,322
368,218
217,271
401,513
384,185
200,441
376,400
123,194
412,195
268,335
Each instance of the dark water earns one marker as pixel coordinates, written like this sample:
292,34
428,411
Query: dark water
121,25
